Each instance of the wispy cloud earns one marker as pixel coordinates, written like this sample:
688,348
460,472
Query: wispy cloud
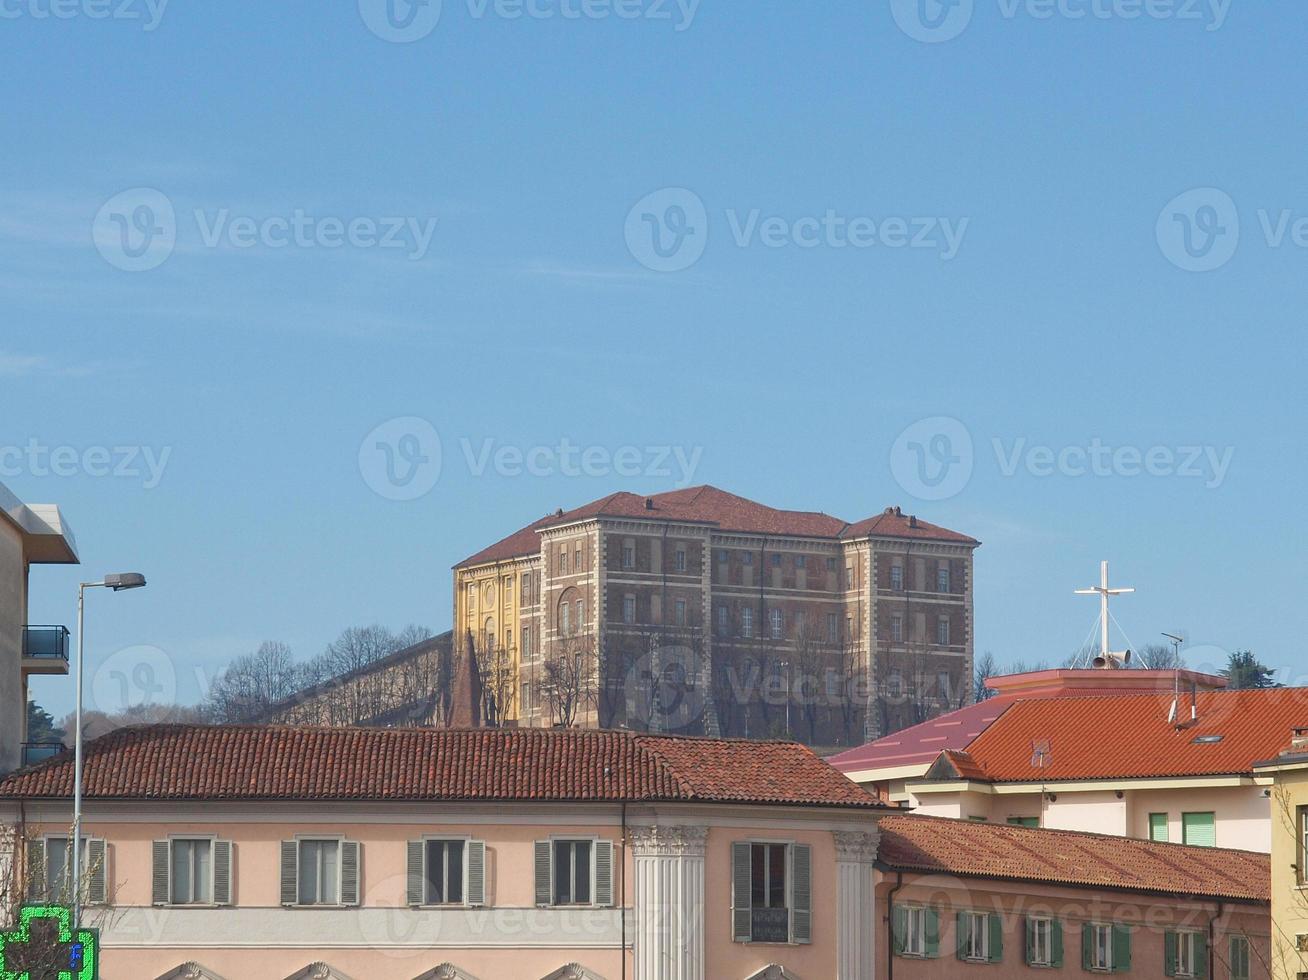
14,365
592,275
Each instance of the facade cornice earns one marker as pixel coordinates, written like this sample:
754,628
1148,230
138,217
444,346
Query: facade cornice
669,841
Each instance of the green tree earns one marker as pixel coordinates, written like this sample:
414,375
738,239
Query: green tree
1243,671
41,725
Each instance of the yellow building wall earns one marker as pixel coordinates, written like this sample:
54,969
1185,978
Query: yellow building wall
1289,897
491,594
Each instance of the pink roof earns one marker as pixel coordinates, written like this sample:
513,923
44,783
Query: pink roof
921,744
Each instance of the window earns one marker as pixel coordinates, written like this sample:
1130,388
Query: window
680,612
580,608
776,561
801,625
679,561
916,931
897,629
563,563
526,641
565,618
722,620
1239,958
897,577
833,628
628,609
1186,954
508,591
58,874
443,872
942,631
191,872
472,596
1105,947
942,578
776,623
577,563
747,623
771,891
723,556
831,564
1024,821
1303,845
572,872
1044,942
525,590
629,554
980,937
1199,829
1158,827
319,872
943,685
747,558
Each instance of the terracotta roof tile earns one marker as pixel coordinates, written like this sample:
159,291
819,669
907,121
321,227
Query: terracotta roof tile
725,511
983,850
1127,736
191,762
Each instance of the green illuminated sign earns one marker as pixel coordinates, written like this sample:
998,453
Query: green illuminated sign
46,947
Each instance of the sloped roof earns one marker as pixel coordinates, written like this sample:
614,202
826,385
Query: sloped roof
938,845
724,511
193,762
920,744
1129,736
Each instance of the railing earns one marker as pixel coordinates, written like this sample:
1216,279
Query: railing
34,752
45,643
770,925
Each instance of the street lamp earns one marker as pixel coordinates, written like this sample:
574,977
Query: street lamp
117,583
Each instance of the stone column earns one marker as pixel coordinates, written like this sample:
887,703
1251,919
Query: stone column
669,902
856,915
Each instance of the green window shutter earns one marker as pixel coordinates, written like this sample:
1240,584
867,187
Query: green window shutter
290,872
97,875
1199,829
1056,942
1170,943
1028,954
1024,821
544,870
222,872
1158,827
1121,949
741,879
899,929
1201,956
159,869
604,873
996,926
349,872
36,871
476,893
931,928
414,879
960,934
801,892
1087,945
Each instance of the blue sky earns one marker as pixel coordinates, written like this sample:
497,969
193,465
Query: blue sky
783,359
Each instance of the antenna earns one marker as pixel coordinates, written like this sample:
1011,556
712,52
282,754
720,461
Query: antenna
1176,682
1176,646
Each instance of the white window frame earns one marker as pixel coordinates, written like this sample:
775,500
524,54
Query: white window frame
1100,931
915,930
212,839
833,627
776,623
788,886
976,943
565,618
563,561
554,870
444,838
942,578
896,629
724,620
340,870
1243,958
679,612
1042,940
747,623
1186,949
629,554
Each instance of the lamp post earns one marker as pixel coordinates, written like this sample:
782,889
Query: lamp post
118,583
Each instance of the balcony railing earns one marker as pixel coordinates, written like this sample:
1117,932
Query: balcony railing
45,643
34,752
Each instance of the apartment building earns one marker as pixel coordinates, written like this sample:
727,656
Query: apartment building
701,611
1288,771
269,853
30,534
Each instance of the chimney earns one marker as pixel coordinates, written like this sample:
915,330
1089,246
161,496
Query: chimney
649,503
1298,740
912,520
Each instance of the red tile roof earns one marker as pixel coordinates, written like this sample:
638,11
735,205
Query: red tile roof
936,845
920,744
724,511
192,762
1130,736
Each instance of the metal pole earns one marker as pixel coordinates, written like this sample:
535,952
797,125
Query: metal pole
75,846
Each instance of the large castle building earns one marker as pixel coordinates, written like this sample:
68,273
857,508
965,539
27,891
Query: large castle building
698,611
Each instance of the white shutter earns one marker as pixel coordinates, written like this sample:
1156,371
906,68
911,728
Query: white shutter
476,870
349,872
160,869
290,872
604,873
222,872
544,873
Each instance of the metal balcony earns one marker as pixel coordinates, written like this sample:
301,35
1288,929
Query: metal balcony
34,752
45,650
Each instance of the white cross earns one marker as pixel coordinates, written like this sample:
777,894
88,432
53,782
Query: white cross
1104,592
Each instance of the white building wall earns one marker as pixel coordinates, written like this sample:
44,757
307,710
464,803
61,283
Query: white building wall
13,616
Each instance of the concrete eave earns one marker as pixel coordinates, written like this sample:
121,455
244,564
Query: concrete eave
47,538
1085,785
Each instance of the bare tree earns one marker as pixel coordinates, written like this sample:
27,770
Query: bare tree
250,684
985,668
570,684
497,678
